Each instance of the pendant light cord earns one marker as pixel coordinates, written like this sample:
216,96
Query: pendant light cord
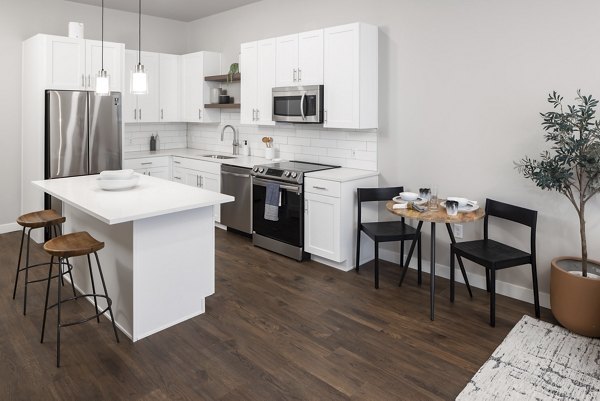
102,35
139,33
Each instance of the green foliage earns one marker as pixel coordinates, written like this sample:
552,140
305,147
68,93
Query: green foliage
572,165
233,69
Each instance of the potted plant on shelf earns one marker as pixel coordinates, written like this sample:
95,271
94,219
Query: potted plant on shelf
572,168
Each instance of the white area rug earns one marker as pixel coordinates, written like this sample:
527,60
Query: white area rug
539,361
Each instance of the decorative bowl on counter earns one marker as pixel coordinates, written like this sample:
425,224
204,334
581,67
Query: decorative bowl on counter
409,196
117,184
117,174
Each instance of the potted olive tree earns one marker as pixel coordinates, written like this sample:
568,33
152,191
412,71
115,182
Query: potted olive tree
572,168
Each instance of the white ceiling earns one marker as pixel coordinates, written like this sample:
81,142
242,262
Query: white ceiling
182,10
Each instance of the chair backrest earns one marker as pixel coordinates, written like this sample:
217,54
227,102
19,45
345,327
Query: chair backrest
510,212
375,195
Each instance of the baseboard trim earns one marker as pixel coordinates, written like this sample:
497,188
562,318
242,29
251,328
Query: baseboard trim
476,280
8,228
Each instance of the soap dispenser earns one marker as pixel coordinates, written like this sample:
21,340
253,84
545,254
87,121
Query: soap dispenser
245,149
152,143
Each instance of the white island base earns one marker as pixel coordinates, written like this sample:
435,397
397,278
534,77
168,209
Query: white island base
158,270
159,254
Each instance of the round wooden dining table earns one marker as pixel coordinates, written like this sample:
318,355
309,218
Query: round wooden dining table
438,215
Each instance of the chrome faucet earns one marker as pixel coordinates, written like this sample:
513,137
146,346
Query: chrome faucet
236,138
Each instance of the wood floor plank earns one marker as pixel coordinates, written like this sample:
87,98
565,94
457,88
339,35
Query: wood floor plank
275,329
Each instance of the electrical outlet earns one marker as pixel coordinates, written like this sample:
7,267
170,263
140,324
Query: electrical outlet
458,230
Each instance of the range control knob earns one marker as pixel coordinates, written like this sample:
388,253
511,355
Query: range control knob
261,170
294,174
255,169
286,173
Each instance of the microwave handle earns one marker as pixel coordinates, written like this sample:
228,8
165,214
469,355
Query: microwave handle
302,105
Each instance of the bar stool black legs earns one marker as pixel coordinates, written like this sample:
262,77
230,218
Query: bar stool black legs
70,245
47,219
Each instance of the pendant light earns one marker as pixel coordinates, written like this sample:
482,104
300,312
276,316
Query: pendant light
139,79
102,79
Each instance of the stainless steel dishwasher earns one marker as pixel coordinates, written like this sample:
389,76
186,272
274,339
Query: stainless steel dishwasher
236,181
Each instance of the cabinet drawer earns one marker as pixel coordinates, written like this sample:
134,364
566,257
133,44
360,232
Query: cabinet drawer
200,165
146,162
322,187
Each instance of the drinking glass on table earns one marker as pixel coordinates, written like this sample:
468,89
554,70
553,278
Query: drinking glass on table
433,199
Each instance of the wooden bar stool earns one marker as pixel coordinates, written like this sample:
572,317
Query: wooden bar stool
42,219
71,245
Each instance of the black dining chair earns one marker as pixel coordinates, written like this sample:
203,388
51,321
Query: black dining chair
385,231
494,255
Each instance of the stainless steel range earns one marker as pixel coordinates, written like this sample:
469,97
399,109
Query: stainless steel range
278,206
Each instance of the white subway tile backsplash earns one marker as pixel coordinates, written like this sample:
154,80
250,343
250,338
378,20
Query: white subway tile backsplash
347,148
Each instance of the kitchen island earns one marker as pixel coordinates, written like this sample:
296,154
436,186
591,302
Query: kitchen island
159,258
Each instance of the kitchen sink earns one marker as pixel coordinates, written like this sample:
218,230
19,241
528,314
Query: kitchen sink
218,156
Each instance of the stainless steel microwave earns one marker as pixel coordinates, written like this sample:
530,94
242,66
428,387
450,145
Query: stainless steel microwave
298,104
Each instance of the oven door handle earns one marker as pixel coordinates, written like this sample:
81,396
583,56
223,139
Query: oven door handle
302,105
291,188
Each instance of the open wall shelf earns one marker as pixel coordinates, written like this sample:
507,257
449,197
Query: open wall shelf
222,106
223,78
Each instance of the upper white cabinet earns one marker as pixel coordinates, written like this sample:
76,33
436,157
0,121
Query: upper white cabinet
113,63
142,108
299,59
258,64
72,64
196,92
169,87
351,76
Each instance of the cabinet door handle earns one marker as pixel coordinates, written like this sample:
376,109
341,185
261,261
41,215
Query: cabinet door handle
83,80
201,181
146,163
199,114
135,114
177,178
176,162
325,116
149,173
89,80
140,113
299,75
254,118
306,206
161,114
257,115
295,72
321,188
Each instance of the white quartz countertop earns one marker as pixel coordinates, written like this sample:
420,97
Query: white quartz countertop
151,197
342,174
241,161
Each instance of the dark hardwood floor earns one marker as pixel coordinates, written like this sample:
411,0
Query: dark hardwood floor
274,330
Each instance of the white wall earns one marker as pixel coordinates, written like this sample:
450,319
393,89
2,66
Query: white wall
21,19
461,86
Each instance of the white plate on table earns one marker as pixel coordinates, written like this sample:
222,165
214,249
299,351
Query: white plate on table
398,199
117,185
463,209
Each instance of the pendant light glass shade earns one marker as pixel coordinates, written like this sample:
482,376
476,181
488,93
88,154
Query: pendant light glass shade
102,78
139,79
102,83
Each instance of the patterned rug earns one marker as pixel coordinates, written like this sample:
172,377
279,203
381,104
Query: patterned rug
539,361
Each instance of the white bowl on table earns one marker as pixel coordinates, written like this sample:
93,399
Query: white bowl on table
125,174
409,196
112,184
462,202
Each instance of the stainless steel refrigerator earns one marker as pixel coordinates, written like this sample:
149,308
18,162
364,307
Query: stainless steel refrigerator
83,135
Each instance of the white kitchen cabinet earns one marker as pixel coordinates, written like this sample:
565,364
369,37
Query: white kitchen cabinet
286,70
113,63
196,92
199,173
351,76
330,218
322,226
299,59
142,108
72,64
156,166
258,61
169,87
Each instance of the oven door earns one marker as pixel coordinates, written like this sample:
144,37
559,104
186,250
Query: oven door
298,104
290,226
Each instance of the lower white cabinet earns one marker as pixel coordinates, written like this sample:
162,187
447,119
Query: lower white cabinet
157,166
199,173
330,209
